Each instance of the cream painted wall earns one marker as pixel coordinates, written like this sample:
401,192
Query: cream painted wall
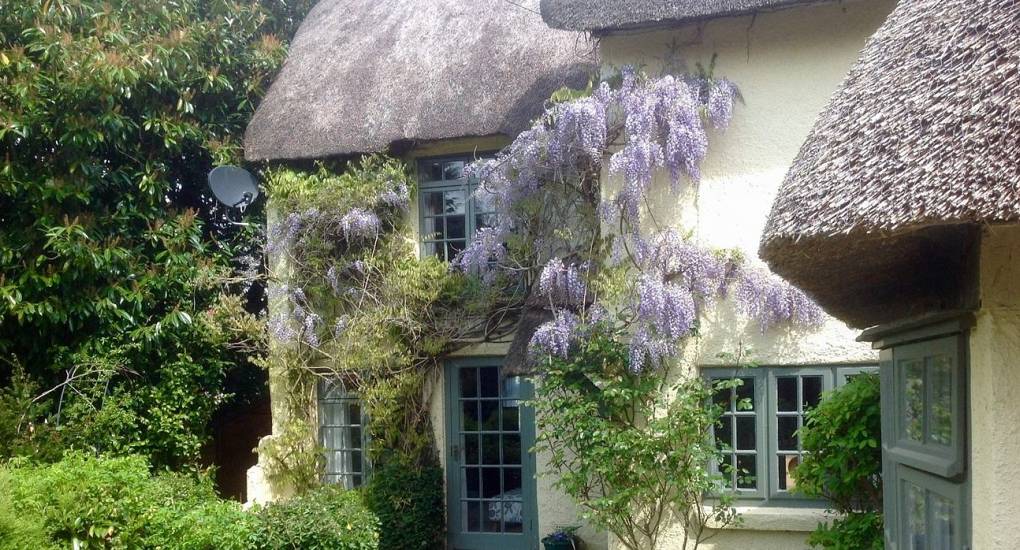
787,65
994,379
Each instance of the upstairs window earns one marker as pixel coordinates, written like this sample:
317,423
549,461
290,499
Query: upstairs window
758,431
450,214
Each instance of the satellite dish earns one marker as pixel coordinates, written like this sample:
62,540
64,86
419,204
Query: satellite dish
234,187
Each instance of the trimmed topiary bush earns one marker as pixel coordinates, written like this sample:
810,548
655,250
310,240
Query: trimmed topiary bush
843,464
327,518
408,500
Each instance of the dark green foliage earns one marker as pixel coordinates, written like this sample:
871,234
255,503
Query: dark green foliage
843,463
112,254
408,499
327,518
855,531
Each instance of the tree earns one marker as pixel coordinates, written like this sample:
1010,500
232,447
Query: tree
114,261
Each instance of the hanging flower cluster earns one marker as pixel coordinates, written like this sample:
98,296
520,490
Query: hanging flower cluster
661,125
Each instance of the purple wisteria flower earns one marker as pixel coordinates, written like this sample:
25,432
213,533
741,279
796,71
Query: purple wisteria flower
562,284
555,337
359,223
722,94
771,301
485,251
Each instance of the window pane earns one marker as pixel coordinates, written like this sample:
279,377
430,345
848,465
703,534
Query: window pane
490,449
746,391
453,202
786,390
512,483
471,482
746,433
786,433
491,482
484,201
913,398
453,170
470,415
437,250
484,220
490,381
723,397
787,465
468,382
511,449
746,471
434,171
724,432
471,449
453,248
942,528
455,227
916,511
472,510
513,521
493,516
511,418
490,415
942,400
433,204
812,391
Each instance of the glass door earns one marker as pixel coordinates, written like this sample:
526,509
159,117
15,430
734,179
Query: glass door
491,498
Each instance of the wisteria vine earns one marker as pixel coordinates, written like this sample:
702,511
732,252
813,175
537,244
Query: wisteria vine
659,124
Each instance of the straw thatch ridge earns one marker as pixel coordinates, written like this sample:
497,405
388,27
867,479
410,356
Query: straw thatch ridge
362,74
603,15
924,133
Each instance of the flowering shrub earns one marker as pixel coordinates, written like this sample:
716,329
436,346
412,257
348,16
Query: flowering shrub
546,186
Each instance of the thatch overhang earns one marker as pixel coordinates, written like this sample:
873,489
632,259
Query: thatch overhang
610,15
879,216
364,74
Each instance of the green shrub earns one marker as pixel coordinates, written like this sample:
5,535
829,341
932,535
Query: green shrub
409,503
843,464
115,503
327,518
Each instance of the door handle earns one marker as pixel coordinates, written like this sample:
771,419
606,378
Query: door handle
455,453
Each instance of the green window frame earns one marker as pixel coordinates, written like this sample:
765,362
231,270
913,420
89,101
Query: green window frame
343,435
449,213
779,397
926,492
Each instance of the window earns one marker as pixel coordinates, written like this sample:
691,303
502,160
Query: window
759,428
924,466
341,433
450,213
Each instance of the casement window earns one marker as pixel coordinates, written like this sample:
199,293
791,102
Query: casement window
758,430
924,466
342,435
448,210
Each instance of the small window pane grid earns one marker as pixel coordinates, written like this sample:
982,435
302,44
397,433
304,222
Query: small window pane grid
342,435
450,211
492,462
761,444
927,486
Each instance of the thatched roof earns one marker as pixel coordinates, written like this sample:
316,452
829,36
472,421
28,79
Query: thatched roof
601,15
362,74
921,142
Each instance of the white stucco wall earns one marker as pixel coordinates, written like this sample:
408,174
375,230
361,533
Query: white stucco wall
994,380
787,65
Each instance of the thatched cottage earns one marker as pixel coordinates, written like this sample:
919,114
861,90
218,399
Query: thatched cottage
901,214
435,82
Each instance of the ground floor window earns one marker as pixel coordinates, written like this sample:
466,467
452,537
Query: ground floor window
759,429
342,435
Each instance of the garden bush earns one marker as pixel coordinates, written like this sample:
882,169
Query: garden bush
843,464
327,518
408,500
116,503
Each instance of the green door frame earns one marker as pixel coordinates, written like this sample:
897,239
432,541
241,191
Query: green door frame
458,537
